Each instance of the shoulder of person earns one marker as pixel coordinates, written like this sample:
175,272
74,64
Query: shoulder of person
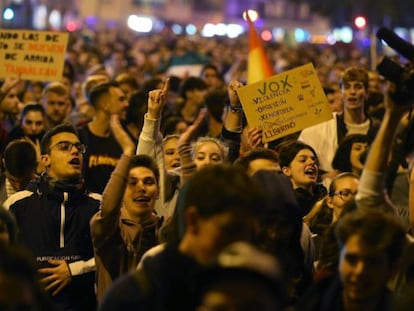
322,125
13,201
127,293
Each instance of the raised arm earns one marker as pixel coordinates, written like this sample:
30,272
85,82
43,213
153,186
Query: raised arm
233,124
105,222
371,191
234,117
185,149
150,140
150,137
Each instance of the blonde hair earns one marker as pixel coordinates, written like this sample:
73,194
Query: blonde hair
56,87
171,136
204,139
311,218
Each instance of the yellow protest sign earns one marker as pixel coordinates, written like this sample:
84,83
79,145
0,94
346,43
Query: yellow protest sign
32,55
285,103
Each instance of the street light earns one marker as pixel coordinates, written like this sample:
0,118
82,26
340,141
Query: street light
8,14
252,14
360,22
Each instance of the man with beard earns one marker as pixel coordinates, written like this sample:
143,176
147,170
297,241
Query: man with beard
55,101
9,108
103,150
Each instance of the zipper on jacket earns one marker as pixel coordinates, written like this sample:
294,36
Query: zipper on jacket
62,220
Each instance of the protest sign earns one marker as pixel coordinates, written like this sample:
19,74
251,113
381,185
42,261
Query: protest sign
285,103
32,55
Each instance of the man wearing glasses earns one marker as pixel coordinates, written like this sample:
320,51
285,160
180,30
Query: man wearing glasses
53,215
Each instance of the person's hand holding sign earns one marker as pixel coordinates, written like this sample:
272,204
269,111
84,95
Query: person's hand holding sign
254,137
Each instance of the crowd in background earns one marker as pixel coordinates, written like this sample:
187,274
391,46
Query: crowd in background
135,182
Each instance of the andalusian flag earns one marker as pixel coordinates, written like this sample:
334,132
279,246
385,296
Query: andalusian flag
258,67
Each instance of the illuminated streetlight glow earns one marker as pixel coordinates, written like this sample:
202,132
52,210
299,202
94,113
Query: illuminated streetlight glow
360,22
252,14
191,29
8,14
266,35
234,30
209,30
346,34
55,19
71,26
177,29
40,17
140,23
221,29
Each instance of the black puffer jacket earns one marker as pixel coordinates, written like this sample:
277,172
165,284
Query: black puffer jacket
53,221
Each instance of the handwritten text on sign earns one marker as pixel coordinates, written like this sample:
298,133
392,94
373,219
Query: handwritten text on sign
285,103
34,55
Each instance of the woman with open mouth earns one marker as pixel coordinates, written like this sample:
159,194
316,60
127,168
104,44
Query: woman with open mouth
300,163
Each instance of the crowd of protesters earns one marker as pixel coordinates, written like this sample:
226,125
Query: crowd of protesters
135,182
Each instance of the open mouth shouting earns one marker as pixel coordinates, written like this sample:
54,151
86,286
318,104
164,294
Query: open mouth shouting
312,172
75,163
142,200
352,99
